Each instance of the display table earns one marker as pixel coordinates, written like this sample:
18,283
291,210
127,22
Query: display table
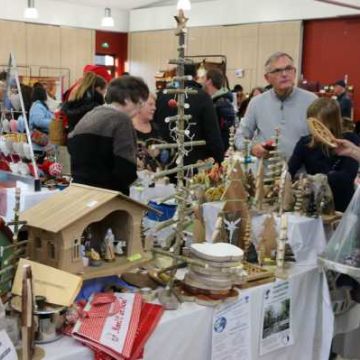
145,194
306,235
347,333
186,332
28,198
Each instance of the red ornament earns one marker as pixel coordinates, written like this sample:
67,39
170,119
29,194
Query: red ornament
45,166
172,103
269,144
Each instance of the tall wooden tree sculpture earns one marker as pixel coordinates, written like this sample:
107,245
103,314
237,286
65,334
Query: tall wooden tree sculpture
181,134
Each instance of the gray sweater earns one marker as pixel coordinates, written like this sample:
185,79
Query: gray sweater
266,112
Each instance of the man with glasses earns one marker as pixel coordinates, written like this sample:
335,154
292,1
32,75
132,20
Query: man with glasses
103,144
282,107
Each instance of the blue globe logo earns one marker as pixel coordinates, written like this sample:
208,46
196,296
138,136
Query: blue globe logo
220,324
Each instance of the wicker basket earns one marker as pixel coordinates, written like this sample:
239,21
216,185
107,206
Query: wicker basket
57,132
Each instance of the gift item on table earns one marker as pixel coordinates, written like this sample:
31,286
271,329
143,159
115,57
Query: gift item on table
149,318
58,287
222,269
109,323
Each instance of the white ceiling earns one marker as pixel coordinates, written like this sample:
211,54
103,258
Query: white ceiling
126,4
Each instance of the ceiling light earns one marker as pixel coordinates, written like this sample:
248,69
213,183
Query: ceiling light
107,20
31,11
184,5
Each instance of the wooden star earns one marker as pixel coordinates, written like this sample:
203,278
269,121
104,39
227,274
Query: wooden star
181,20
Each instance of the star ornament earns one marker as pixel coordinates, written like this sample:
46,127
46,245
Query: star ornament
181,19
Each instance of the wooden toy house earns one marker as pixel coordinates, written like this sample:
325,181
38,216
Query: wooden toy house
57,225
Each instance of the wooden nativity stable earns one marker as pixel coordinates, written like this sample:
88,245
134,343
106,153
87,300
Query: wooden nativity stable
57,225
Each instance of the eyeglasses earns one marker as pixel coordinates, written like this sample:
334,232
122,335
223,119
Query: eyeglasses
286,70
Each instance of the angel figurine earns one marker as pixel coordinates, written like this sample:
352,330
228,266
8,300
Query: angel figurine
231,227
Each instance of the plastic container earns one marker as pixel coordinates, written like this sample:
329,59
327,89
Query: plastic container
167,210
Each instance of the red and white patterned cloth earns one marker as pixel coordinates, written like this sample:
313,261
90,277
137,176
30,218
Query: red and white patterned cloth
109,323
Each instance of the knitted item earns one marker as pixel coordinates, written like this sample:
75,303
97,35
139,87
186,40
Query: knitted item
39,138
13,125
55,169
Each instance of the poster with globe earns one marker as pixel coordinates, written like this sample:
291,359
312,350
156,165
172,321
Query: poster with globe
231,330
276,332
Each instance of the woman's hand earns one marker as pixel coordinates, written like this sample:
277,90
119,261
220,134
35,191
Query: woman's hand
347,148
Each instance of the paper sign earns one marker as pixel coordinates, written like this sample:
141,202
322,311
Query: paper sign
58,287
231,331
276,327
7,350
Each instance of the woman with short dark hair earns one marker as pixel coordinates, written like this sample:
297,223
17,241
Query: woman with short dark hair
103,144
39,117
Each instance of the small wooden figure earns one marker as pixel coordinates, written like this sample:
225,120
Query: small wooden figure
281,247
268,236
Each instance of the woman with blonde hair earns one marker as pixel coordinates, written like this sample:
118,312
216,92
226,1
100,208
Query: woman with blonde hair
317,157
86,95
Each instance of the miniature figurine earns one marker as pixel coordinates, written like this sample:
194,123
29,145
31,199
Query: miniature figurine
119,247
95,259
108,246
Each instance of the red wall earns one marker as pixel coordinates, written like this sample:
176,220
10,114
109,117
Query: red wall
118,47
331,50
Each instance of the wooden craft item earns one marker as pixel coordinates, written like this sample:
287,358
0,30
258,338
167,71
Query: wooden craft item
268,236
208,283
281,247
162,279
168,298
247,236
235,190
56,227
259,185
288,199
58,287
219,233
139,280
27,325
321,133
250,183
199,226
187,293
256,275
236,172
219,252
238,209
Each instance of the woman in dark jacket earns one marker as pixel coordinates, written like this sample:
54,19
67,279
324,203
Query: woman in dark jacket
319,158
88,94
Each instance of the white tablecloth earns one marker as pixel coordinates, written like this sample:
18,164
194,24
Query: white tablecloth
306,236
186,332
145,194
28,198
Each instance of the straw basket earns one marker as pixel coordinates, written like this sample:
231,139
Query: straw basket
57,132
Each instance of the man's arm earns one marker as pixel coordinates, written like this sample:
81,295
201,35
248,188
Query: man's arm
246,130
247,127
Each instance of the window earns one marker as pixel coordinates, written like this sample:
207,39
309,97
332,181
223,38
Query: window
51,251
108,61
